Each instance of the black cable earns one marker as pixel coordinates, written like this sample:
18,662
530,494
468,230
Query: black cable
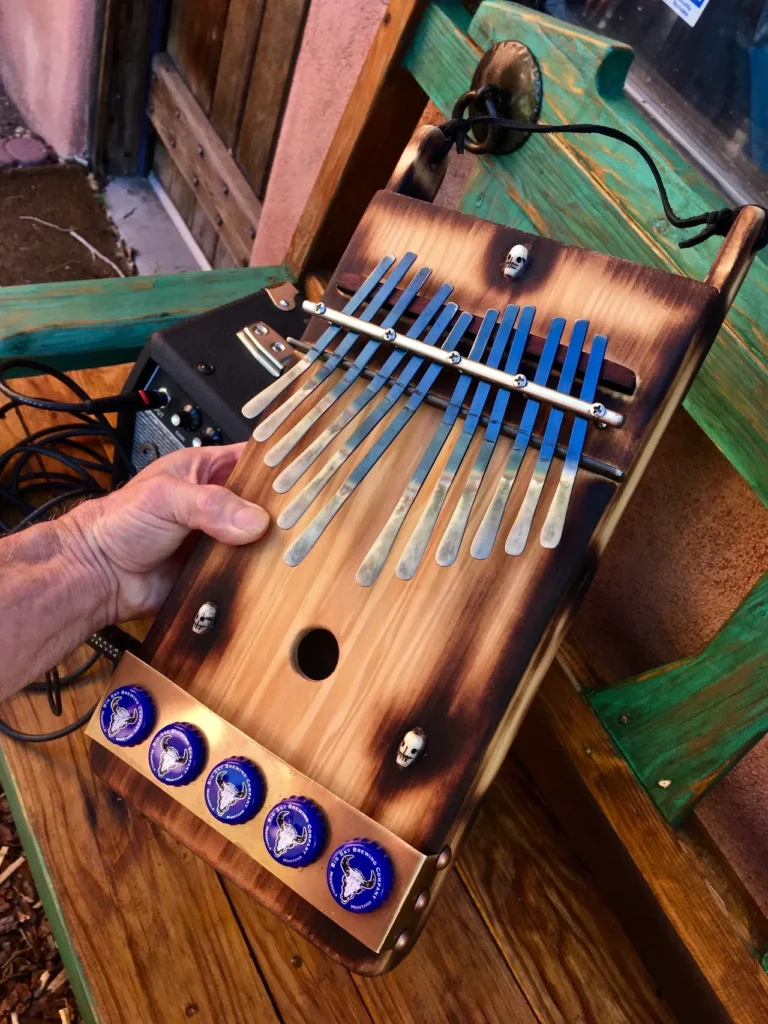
71,470
714,222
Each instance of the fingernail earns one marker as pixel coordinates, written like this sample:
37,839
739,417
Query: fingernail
251,519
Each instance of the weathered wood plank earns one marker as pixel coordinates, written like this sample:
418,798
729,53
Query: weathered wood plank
92,323
536,897
282,27
552,181
685,725
703,953
202,158
244,18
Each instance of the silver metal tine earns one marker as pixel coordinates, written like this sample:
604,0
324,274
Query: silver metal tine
298,550
518,535
450,544
293,512
552,530
486,534
267,427
259,402
417,543
286,444
374,561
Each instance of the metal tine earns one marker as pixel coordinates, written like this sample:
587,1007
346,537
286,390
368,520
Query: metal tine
299,549
521,527
286,444
552,530
454,534
293,512
489,527
267,427
374,561
417,544
259,402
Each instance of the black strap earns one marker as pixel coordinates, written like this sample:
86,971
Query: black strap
715,222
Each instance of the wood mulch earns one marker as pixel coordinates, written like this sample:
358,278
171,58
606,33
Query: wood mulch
33,982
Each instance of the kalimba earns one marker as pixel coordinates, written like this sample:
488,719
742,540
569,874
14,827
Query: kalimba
444,456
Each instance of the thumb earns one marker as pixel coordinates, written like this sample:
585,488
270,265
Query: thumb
216,511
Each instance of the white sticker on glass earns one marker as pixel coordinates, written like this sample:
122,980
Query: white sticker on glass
689,10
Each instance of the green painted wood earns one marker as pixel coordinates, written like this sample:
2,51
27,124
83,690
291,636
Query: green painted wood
689,723
595,193
45,889
78,324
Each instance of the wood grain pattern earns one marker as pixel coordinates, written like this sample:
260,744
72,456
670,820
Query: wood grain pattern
486,676
702,949
203,160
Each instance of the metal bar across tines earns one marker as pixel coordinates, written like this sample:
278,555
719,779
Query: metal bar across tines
267,427
286,444
296,509
298,550
486,535
417,544
259,402
374,561
493,428
521,527
552,530
302,462
533,389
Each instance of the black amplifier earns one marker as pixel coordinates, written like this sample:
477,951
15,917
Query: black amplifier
209,366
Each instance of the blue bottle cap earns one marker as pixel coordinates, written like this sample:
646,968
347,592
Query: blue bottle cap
294,832
177,754
234,790
127,716
360,875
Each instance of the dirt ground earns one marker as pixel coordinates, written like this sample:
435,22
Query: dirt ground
62,195
33,984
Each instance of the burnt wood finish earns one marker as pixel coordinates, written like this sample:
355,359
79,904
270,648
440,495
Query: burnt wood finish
457,651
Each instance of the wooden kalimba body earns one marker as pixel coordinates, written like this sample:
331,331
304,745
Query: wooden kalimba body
432,534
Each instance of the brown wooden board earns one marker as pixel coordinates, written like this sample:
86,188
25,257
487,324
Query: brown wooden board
474,638
153,935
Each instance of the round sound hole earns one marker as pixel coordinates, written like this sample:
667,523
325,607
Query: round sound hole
317,654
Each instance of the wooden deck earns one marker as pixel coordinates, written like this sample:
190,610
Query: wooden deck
148,932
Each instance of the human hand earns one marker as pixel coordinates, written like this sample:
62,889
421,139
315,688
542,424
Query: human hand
132,536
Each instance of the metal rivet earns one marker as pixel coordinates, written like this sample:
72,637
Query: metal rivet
205,368
278,347
320,308
444,859
219,221
225,190
261,329
455,357
421,901
195,180
520,380
402,941
296,961
283,303
665,783
624,719
200,151
390,334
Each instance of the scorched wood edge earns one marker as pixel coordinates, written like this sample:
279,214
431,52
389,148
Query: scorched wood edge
457,651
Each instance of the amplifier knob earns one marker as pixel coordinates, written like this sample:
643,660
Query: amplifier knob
234,790
294,832
191,418
212,435
127,716
360,875
177,754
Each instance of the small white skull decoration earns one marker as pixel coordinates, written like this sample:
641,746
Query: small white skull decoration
516,263
411,746
205,618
